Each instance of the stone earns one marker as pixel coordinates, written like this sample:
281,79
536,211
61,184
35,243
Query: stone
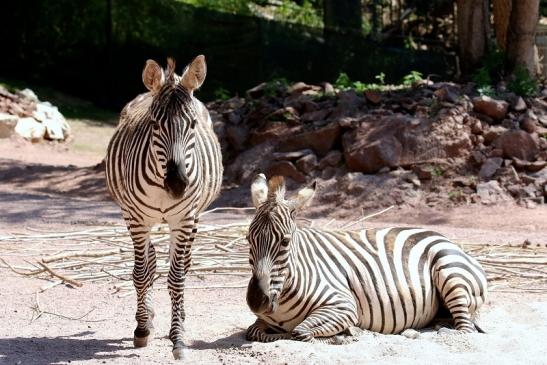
328,89
422,172
517,143
320,140
249,163
55,123
393,141
257,91
518,104
7,125
493,133
287,169
236,136
446,94
529,166
30,128
29,95
489,167
307,163
373,96
291,156
491,192
528,124
496,109
316,115
476,126
272,132
333,158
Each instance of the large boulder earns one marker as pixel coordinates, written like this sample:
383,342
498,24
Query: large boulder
55,123
495,109
7,125
399,140
287,169
31,129
517,143
320,140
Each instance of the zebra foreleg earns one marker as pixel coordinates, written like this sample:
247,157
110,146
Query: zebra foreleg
323,324
182,237
143,272
258,332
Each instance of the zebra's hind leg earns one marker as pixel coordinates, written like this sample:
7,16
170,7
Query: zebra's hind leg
258,331
143,271
458,303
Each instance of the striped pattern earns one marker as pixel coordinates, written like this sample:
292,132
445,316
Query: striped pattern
163,165
319,283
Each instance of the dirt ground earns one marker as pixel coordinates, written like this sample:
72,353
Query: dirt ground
45,187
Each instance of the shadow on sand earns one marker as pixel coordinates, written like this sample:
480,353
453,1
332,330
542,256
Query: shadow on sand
50,350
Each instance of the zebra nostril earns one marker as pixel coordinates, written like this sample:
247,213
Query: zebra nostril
257,300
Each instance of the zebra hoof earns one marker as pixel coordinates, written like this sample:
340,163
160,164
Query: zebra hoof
142,341
180,353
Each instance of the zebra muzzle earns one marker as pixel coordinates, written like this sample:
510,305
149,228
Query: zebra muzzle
258,299
176,180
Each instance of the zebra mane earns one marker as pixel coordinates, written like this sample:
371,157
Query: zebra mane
276,189
170,70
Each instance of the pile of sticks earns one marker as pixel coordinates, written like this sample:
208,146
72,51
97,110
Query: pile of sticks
106,255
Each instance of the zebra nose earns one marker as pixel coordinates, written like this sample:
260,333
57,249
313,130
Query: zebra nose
257,300
176,179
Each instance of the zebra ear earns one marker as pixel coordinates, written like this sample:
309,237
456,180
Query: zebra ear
259,190
303,197
152,76
194,74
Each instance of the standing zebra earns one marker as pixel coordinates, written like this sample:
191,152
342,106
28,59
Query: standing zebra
163,164
314,284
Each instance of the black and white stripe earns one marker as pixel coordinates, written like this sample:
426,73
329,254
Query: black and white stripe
164,165
314,284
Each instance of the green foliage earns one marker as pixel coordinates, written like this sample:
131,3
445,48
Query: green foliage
275,86
522,84
412,78
225,6
486,90
343,82
437,171
381,77
306,13
221,93
482,78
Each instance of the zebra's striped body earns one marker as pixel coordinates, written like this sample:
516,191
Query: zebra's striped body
323,282
164,164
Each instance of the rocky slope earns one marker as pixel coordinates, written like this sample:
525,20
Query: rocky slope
434,143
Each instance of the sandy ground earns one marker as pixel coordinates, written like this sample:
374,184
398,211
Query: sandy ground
33,195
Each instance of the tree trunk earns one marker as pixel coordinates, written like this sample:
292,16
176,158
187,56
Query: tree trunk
342,15
502,12
521,34
473,25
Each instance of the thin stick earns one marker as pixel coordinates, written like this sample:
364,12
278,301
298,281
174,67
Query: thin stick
366,217
62,277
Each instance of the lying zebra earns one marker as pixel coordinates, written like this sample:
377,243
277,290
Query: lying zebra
312,284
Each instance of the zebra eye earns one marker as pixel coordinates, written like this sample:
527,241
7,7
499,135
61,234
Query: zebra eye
286,240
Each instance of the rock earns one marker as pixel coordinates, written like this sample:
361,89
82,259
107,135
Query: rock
7,125
333,158
291,156
299,87
491,192
517,144
518,104
272,132
529,166
307,163
493,133
528,124
30,129
489,167
476,126
496,109
496,152
410,333
422,172
249,163
328,172
320,140
446,94
287,169
236,136
543,120
29,95
373,96
54,122
328,89
314,116
257,91
394,141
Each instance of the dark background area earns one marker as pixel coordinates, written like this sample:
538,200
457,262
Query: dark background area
96,51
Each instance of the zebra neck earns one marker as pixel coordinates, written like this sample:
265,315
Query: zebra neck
302,250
